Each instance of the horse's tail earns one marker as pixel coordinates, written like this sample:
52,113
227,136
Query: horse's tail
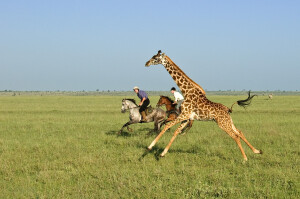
244,103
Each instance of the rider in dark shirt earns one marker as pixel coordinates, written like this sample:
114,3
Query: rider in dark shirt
144,102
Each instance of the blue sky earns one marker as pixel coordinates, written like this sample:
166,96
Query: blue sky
89,45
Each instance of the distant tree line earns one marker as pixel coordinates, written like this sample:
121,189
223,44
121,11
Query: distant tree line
131,93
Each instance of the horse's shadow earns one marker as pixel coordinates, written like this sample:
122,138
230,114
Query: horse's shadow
146,129
133,133
123,134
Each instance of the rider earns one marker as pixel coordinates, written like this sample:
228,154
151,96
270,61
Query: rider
178,98
144,102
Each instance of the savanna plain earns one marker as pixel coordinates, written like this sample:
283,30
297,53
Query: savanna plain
68,147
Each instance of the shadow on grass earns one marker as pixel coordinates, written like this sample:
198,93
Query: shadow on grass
146,129
191,151
155,151
123,134
133,133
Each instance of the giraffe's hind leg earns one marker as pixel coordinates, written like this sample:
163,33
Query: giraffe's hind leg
238,141
227,126
241,135
248,143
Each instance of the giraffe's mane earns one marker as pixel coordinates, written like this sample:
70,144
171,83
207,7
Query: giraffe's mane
194,83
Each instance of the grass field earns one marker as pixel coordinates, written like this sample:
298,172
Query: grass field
67,147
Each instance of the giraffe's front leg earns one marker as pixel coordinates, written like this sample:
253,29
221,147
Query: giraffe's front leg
169,125
178,130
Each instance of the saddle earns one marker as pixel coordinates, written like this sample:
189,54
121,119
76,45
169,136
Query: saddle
149,110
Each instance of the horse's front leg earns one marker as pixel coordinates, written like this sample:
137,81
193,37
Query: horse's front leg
169,119
128,128
126,125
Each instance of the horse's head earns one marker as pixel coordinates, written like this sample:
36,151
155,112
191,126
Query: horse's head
127,104
124,106
156,59
164,100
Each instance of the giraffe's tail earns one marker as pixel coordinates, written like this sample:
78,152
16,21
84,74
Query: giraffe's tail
244,103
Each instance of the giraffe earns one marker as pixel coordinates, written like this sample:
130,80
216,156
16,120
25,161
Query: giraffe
197,107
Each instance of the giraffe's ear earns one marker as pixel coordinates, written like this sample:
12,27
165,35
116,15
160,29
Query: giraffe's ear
162,55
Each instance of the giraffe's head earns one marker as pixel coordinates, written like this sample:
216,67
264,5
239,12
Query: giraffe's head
156,59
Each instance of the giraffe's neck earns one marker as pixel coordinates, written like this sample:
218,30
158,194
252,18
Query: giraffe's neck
182,80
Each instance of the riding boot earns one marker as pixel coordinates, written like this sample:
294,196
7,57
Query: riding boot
144,117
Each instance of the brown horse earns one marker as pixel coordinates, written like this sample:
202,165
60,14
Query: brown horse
171,111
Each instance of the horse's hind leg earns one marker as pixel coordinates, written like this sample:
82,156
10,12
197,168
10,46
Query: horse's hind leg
160,123
156,125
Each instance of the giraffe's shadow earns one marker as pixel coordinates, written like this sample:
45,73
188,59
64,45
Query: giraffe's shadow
155,151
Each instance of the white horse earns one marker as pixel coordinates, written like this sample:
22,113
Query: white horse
157,115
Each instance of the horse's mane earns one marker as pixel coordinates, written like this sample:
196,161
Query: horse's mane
168,98
132,100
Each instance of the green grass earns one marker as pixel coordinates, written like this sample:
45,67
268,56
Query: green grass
67,147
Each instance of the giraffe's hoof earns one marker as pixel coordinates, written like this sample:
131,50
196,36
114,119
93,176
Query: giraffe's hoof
258,151
148,148
245,160
163,154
